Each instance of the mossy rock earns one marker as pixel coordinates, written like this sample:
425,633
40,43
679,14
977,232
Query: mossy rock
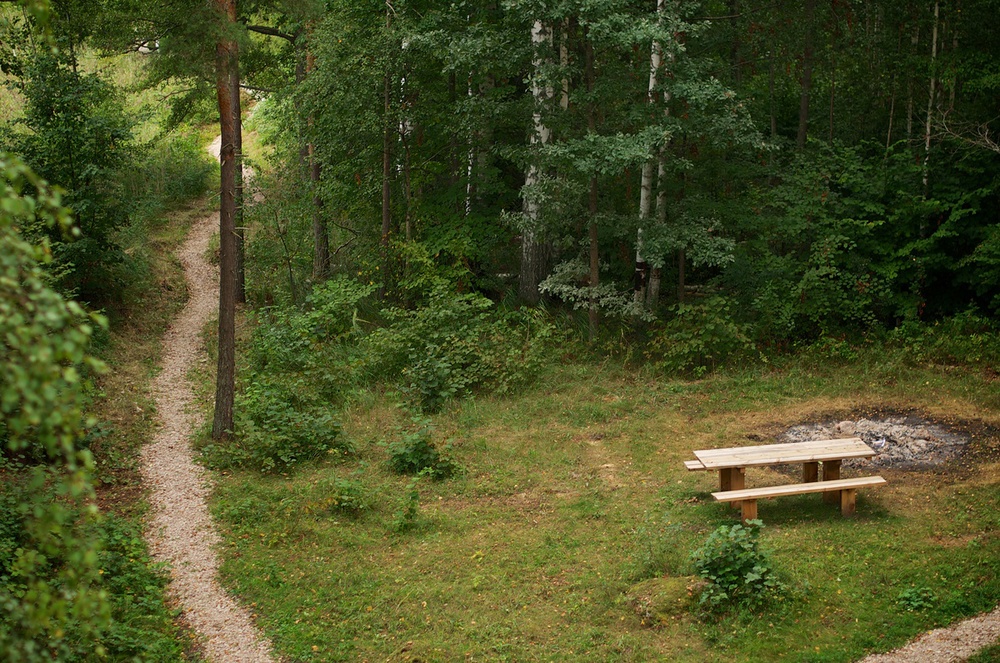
661,600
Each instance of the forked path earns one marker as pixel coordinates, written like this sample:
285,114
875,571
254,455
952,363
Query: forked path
181,532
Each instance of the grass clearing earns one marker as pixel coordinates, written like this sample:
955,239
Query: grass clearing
574,493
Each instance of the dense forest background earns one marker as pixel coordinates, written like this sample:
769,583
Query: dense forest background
445,196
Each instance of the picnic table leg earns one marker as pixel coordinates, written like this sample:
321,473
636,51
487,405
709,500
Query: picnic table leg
831,472
847,502
810,472
737,481
748,510
725,479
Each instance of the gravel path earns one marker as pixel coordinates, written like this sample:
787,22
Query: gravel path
946,645
180,528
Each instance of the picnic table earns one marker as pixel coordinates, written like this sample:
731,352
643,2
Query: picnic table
731,463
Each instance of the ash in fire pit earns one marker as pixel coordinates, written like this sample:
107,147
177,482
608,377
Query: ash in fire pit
905,442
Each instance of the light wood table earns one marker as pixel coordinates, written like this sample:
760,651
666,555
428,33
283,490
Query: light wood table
732,463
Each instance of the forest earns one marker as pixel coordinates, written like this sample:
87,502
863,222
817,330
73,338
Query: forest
487,272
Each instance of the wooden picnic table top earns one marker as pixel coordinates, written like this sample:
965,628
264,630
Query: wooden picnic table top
791,452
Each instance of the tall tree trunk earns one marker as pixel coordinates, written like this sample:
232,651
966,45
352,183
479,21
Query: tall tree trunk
914,43
930,98
648,182
320,232
388,129
225,382
807,65
595,273
532,250
770,91
241,281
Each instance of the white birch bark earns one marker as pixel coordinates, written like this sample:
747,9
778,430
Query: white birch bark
648,174
531,249
930,97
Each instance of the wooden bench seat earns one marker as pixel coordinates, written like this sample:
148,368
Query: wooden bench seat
694,465
847,487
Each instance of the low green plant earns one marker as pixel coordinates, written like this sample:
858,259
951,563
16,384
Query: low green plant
698,338
414,452
278,426
343,496
456,345
407,515
738,572
915,599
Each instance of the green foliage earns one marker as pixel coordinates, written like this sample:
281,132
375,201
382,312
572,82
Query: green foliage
407,516
279,427
737,570
342,496
414,452
141,625
967,338
915,599
52,605
79,138
698,338
455,345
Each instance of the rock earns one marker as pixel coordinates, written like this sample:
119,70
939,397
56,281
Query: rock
846,427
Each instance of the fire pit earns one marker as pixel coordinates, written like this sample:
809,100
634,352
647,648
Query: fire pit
902,442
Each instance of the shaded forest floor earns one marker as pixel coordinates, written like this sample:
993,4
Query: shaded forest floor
573,498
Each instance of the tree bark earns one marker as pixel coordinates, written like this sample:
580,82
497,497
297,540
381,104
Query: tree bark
532,250
225,382
238,223
595,272
930,98
648,182
321,235
388,130
807,64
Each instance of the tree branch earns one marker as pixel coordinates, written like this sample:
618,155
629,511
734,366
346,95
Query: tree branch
274,32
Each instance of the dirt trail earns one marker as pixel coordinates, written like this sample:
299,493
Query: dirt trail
180,527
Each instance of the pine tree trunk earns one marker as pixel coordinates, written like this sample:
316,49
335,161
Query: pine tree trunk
532,250
807,64
225,382
241,281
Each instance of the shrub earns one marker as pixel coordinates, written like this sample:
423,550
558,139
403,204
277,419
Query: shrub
342,496
737,571
414,453
278,428
455,345
699,338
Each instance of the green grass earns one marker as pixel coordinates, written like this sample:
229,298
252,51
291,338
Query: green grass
574,492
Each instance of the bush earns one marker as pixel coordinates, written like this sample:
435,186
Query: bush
278,428
738,572
455,345
699,338
414,453
342,496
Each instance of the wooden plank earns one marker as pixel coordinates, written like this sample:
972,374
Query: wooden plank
819,444
810,472
694,465
797,489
